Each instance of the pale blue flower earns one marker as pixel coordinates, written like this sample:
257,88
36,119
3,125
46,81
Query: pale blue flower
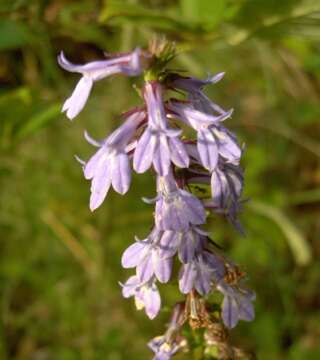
146,295
237,304
196,96
128,64
110,164
212,138
176,209
158,145
145,256
200,273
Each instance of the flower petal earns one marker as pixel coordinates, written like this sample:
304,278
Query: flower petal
193,208
161,160
153,98
187,247
235,181
178,153
121,173
145,269
203,279
119,138
228,145
162,267
133,254
246,310
129,288
87,68
170,215
152,302
134,66
186,278
230,314
219,188
92,141
208,149
76,102
215,78
96,163
216,265
99,188
169,243
144,152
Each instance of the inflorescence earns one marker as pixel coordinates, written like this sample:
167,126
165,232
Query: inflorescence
151,137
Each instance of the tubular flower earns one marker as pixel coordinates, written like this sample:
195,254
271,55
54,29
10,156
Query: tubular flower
196,96
237,304
158,145
128,64
176,209
200,273
110,164
226,185
212,138
145,256
146,295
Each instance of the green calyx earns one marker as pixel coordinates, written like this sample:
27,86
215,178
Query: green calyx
162,51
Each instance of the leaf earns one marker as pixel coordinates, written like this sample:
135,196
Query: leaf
299,246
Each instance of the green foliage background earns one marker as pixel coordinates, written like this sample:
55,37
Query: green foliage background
60,264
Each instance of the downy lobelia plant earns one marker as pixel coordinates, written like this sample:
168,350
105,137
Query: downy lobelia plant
151,137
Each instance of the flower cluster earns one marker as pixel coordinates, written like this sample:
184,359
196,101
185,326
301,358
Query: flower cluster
151,136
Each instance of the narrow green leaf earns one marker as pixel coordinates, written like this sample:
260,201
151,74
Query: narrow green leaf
298,244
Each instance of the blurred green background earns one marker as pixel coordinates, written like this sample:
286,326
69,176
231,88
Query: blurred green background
60,264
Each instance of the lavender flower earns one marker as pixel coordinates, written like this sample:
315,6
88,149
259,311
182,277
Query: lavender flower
226,190
145,256
158,144
146,295
212,138
196,95
110,164
176,209
200,273
186,243
237,304
164,350
226,185
128,64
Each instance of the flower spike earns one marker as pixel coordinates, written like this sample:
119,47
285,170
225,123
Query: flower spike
194,175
